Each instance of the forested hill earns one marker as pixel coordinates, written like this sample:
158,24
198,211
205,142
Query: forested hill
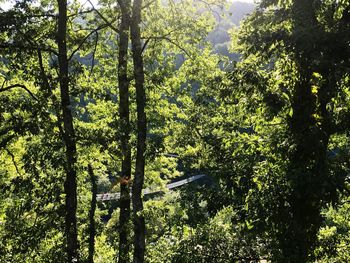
226,19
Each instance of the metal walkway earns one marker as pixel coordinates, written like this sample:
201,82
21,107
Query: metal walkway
116,196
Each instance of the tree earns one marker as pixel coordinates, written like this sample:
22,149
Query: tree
299,79
138,218
42,50
70,184
92,225
123,81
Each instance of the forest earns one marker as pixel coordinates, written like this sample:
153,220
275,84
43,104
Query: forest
180,131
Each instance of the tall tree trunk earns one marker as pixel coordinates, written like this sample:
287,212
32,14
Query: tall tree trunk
138,219
297,239
70,186
92,226
308,169
124,216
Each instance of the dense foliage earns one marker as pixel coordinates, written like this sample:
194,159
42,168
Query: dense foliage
262,108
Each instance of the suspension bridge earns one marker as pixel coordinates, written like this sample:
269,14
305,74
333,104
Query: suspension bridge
116,196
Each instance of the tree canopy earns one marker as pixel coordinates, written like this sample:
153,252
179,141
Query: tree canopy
174,131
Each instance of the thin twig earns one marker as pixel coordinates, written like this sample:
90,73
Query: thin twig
145,45
86,38
172,42
13,160
93,54
109,23
82,12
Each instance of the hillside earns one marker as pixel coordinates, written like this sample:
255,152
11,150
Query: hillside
226,20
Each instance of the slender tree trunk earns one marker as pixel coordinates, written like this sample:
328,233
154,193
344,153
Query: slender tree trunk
138,219
124,217
92,227
70,186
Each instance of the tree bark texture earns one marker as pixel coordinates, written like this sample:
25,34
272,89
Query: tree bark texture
138,218
123,82
70,186
92,225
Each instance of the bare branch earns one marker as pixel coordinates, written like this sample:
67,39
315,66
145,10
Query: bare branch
93,54
13,160
40,15
81,13
109,23
145,45
170,41
86,38
19,86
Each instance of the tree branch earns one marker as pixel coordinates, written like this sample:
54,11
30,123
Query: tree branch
109,23
13,160
81,13
4,142
93,54
170,41
19,86
145,45
24,47
86,38
42,70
